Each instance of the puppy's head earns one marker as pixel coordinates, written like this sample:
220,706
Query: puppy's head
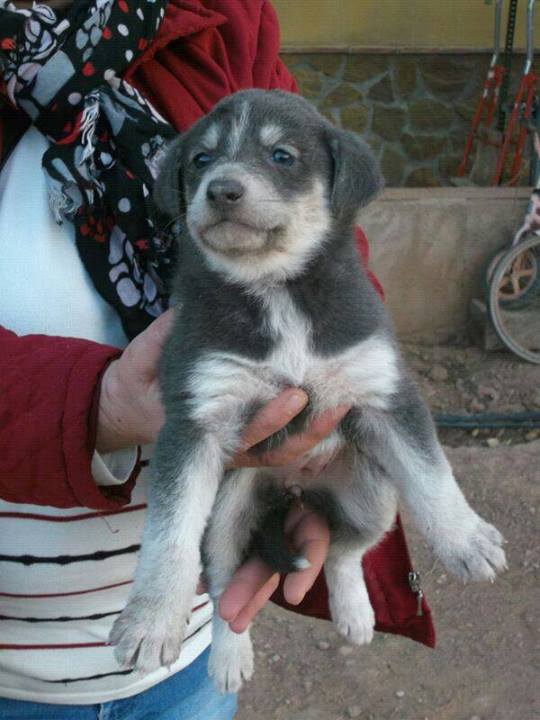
262,181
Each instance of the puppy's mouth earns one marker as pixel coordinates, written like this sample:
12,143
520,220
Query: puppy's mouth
235,238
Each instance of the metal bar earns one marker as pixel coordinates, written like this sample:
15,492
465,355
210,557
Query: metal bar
514,119
476,123
531,80
489,93
530,37
497,33
507,62
498,74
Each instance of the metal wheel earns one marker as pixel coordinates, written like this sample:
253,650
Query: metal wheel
520,281
503,282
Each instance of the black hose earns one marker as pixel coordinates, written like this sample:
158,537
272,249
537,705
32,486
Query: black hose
491,421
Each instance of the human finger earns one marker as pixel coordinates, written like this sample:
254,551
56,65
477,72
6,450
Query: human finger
247,581
247,614
267,421
141,357
298,445
274,415
310,537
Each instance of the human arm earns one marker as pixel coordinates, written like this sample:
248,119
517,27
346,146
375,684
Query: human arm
48,413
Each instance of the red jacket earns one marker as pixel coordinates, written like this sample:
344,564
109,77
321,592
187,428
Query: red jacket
49,385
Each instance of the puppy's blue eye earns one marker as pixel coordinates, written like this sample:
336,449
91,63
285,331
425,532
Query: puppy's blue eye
282,157
202,160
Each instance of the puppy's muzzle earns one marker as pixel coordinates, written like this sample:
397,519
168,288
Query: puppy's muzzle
224,194
236,213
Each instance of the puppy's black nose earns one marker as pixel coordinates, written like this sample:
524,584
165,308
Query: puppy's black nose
225,192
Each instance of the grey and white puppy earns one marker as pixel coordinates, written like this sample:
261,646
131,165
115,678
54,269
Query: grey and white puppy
271,294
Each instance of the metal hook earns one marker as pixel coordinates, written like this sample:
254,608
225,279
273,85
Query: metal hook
497,33
530,37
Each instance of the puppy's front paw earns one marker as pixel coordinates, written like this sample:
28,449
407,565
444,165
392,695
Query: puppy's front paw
476,552
353,616
147,634
231,662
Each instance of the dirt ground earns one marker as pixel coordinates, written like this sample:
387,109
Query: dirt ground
486,663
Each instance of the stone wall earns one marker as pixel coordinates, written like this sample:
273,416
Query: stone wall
414,110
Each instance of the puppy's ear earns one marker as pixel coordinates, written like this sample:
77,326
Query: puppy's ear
168,194
356,175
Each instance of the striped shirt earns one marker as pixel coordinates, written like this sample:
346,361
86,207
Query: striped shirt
65,574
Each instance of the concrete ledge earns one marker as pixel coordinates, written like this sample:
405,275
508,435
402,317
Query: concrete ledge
430,246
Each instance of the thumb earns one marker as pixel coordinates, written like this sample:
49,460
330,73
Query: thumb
144,351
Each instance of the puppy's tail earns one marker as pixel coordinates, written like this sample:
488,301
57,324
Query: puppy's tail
270,542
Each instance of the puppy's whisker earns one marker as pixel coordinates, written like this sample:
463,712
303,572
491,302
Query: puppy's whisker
165,228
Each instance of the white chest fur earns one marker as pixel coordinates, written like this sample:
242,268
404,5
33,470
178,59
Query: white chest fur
225,384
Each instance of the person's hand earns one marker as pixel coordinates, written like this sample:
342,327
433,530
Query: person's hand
254,583
273,417
130,409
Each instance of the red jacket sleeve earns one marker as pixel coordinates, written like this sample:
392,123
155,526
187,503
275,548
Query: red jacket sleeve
48,412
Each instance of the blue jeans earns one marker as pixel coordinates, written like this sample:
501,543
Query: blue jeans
187,695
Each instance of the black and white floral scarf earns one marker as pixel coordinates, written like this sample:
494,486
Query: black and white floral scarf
106,139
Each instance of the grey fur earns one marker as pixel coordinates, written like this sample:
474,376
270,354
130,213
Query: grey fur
265,303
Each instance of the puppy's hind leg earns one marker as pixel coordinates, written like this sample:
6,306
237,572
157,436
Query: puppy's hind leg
228,537
363,507
350,607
